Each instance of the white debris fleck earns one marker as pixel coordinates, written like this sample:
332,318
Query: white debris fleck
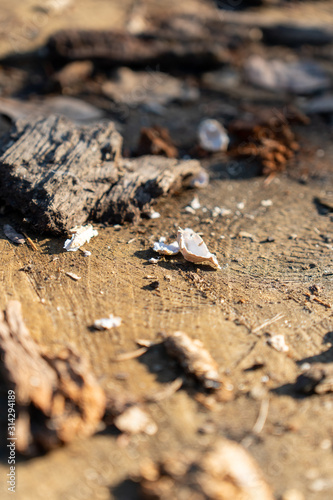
86,253
12,235
135,420
220,211
278,343
240,205
189,210
212,136
195,203
107,323
266,203
153,260
81,235
162,239
201,180
74,276
154,215
164,249
194,248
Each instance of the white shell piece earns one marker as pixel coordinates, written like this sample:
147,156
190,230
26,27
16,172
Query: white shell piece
154,215
81,235
213,136
221,211
153,260
195,203
266,203
194,248
201,180
278,343
107,323
164,249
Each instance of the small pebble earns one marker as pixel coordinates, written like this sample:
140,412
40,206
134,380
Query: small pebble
154,215
266,203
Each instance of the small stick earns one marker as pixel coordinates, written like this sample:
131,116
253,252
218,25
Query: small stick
30,242
263,412
131,355
268,322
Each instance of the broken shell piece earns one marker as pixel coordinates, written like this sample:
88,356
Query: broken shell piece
278,343
195,203
164,249
135,420
154,260
194,248
213,136
107,323
81,235
220,211
201,180
154,215
12,235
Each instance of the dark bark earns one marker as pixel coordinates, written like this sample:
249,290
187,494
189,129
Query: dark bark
58,175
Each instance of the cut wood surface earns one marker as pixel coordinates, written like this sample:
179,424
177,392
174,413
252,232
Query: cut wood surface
278,282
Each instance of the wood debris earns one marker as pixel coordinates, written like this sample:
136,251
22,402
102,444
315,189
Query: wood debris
74,276
265,136
163,45
13,235
59,387
226,471
194,358
156,141
74,172
317,379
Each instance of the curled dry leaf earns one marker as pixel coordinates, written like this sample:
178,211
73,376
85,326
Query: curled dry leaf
225,472
81,235
59,388
12,235
317,379
194,248
194,358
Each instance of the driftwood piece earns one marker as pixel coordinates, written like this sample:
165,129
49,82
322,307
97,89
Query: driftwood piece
143,179
59,175
194,358
166,47
56,396
317,379
224,472
54,172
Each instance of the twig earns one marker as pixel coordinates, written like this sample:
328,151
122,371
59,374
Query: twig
268,322
166,392
30,242
131,355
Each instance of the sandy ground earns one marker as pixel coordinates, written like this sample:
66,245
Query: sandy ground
258,281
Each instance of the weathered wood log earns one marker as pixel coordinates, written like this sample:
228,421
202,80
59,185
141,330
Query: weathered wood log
144,179
57,398
58,175
166,48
